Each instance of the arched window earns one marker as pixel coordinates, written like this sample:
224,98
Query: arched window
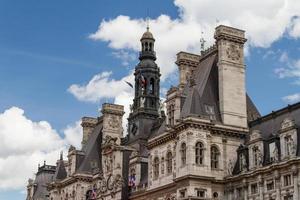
151,87
156,167
169,162
150,46
146,46
215,154
183,154
199,151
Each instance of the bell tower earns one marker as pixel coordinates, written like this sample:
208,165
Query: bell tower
146,104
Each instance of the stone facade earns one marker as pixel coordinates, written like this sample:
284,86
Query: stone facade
211,144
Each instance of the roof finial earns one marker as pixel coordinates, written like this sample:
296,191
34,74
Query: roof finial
202,42
61,155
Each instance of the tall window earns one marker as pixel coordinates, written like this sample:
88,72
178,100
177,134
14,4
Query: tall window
287,180
169,162
199,153
171,110
151,88
156,167
215,157
183,153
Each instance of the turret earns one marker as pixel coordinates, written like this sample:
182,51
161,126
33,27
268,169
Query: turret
146,103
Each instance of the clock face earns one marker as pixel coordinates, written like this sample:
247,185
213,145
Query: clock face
134,128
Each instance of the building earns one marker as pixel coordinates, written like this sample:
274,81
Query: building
211,144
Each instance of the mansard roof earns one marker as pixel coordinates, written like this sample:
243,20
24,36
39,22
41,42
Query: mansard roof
202,90
43,177
92,150
60,172
270,124
269,127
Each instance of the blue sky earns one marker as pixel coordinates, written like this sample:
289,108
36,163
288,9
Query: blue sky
48,46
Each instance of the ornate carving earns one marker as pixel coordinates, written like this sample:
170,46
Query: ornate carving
233,52
114,122
111,184
287,123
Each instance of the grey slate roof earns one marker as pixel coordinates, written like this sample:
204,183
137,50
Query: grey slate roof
60,172
203,91
43,177
269,127
270,124
92,151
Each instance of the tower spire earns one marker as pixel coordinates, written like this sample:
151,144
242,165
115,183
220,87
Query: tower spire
147,24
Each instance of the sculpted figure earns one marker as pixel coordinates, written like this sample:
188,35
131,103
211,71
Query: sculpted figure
275,154
230,167
142,102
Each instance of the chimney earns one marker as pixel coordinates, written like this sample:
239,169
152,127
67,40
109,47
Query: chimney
231,68
88,124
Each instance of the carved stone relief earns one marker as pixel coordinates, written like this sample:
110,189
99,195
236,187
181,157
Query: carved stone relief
233,52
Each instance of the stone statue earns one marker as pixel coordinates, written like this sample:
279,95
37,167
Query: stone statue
259,158
292,147
142,102
230,167
275,154
131,108
243,163
160,108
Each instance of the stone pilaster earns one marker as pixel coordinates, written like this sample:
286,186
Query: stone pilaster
261,187
277,184
296,186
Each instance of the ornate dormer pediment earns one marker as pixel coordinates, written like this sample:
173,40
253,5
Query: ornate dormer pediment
255,135
287,123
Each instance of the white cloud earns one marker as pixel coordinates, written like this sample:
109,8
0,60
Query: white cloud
291,68
264,22
292,98
101,86
25,143
125,56
295,28
73,134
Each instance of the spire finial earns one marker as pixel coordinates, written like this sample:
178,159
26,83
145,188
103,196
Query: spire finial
147,19
61,155
147,24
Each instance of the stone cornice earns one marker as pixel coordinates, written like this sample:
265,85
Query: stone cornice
264,170
196,123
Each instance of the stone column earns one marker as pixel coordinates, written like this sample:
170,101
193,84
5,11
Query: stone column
296,187
225,165
277,184
261,187
245,188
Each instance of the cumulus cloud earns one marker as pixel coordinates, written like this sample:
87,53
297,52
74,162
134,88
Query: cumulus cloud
25,143
264,22
291,68
292,98
73,134
125,56
101,86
